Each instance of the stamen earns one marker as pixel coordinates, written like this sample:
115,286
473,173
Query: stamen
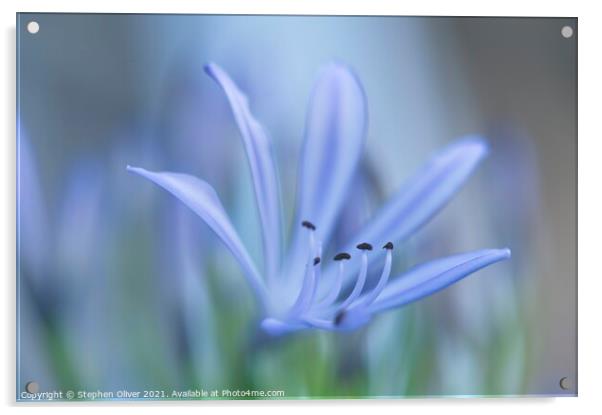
312,242
334,292
341,256
312,239
364,246
307,224
359,283
317,275
339,318
384,277
306,295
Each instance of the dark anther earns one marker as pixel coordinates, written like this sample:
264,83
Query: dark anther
365,246
307,224
341,256
316,260
339,318
388,245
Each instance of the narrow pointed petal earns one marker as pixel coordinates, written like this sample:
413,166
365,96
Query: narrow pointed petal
420,198
261,161
202,199
426,192
334,137
434,276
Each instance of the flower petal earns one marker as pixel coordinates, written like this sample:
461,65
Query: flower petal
203,200
263,168
425,193
334,137
433,276
420,198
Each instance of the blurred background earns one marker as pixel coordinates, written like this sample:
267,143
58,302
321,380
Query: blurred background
121,287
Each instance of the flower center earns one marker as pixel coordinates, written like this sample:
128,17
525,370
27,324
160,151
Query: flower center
306,300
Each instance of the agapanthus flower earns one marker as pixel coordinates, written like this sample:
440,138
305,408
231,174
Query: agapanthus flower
300,289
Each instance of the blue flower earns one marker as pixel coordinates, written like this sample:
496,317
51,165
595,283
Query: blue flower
299,289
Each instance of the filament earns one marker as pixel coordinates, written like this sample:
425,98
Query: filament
334,292
359,283
308,289
312,244
317,275
384,277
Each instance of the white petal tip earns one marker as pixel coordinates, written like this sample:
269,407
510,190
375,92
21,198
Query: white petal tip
499,254
337,65
479,144
476,144
468,150
134,169
506,252
340,72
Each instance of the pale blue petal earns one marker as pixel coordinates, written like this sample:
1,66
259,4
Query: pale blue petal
263,168
334,137
425,193
204,201
421,198
433,276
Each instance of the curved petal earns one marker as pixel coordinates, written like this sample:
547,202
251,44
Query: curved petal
334,137
422,196
433,276
425,193
203,200
263,168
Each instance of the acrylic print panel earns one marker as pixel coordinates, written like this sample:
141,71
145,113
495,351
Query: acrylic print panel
280,207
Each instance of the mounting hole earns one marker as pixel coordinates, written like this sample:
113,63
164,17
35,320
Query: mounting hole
565,383
33,27
32,387
566,32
